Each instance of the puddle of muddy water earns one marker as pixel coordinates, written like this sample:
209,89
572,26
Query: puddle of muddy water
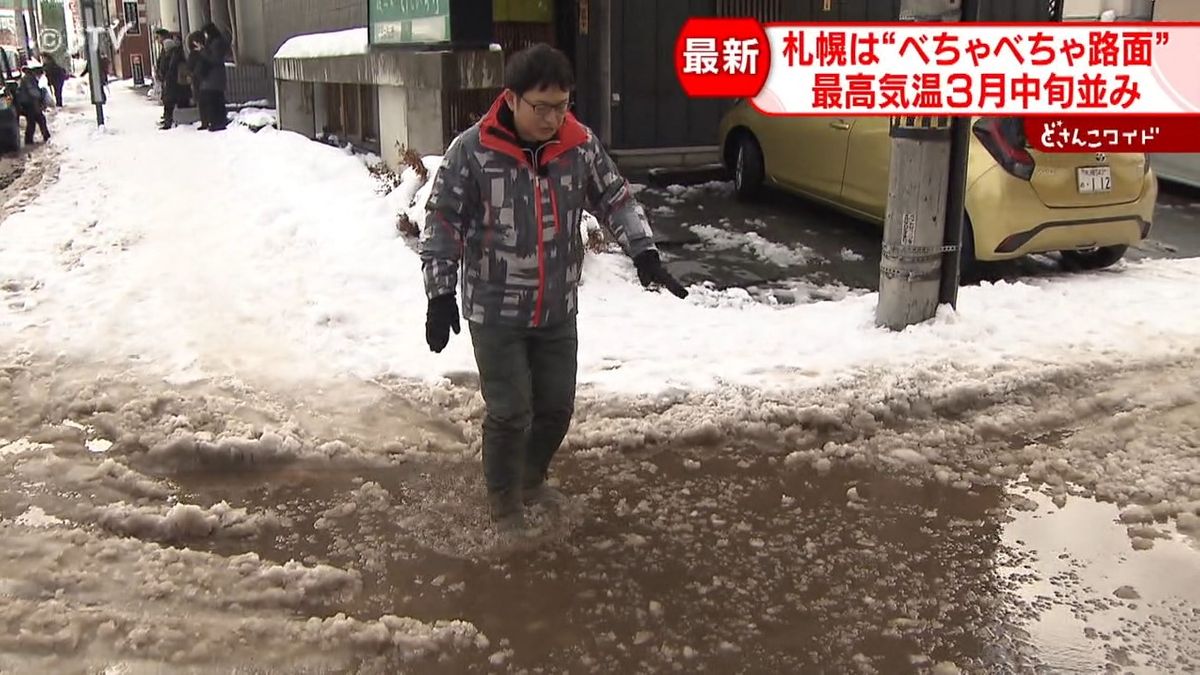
1111,606
725,564
669,561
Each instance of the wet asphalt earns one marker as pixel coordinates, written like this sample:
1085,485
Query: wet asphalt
840,252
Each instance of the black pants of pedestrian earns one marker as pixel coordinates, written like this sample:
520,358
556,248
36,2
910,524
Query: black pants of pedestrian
35,117
168,113
58,90
527,376
212,109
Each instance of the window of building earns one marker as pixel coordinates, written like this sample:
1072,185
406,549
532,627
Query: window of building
351,113
333,109
351,117
139,68
763,10
518,24
132,18
369,106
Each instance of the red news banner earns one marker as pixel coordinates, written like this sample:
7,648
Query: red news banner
1079,86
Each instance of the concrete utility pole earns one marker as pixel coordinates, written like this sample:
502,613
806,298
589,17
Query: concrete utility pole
92,32
919,190
22,36
35,30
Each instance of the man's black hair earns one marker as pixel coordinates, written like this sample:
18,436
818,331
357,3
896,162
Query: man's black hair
211,31
162,32
538,67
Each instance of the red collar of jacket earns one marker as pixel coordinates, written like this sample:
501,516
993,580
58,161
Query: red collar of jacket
495,135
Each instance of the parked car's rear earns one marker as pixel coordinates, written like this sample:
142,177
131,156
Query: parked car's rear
1090,206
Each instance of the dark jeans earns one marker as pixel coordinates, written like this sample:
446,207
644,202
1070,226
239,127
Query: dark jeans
212,109
527,376
37,117
58,89
168,113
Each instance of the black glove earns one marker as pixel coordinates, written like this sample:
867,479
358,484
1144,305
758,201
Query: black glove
651,271
440,318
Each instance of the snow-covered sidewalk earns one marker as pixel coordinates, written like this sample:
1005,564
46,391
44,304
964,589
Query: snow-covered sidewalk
271,258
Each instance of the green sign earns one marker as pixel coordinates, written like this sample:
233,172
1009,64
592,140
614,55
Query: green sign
409,21
53,31
523,11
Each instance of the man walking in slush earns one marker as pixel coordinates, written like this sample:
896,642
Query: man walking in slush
507,204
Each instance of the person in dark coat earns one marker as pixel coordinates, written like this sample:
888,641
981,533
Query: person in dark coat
186,97
167,72
198,69
31,105
104,71
56,75
104,68
212,86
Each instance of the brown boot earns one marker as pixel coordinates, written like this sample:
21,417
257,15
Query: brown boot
543,495
507,511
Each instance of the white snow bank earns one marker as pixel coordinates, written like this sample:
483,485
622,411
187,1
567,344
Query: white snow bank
296,274
176,605
776,254
36,516
184,447
718,187
316,45
110,479
182,521
371,497
22,446
256,118
409,198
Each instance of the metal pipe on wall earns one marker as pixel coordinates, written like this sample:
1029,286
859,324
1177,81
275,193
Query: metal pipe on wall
218,13
603,34
197,13
168,14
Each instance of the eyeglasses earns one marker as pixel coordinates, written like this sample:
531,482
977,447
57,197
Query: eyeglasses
545,109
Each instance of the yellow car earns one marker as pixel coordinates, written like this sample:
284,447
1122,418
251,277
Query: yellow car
1089,206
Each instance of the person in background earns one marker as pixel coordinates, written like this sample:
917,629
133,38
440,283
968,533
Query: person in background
167,72
104,63
212,86
56,75
104,70
32,104
186,99
198,69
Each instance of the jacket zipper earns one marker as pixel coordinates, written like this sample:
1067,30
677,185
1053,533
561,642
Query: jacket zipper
541,253
541,290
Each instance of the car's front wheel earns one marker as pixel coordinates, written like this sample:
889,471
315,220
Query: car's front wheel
748,169
1105,256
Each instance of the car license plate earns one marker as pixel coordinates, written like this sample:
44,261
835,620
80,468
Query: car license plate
1093,179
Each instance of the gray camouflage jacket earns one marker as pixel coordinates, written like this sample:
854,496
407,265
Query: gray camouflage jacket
511,218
